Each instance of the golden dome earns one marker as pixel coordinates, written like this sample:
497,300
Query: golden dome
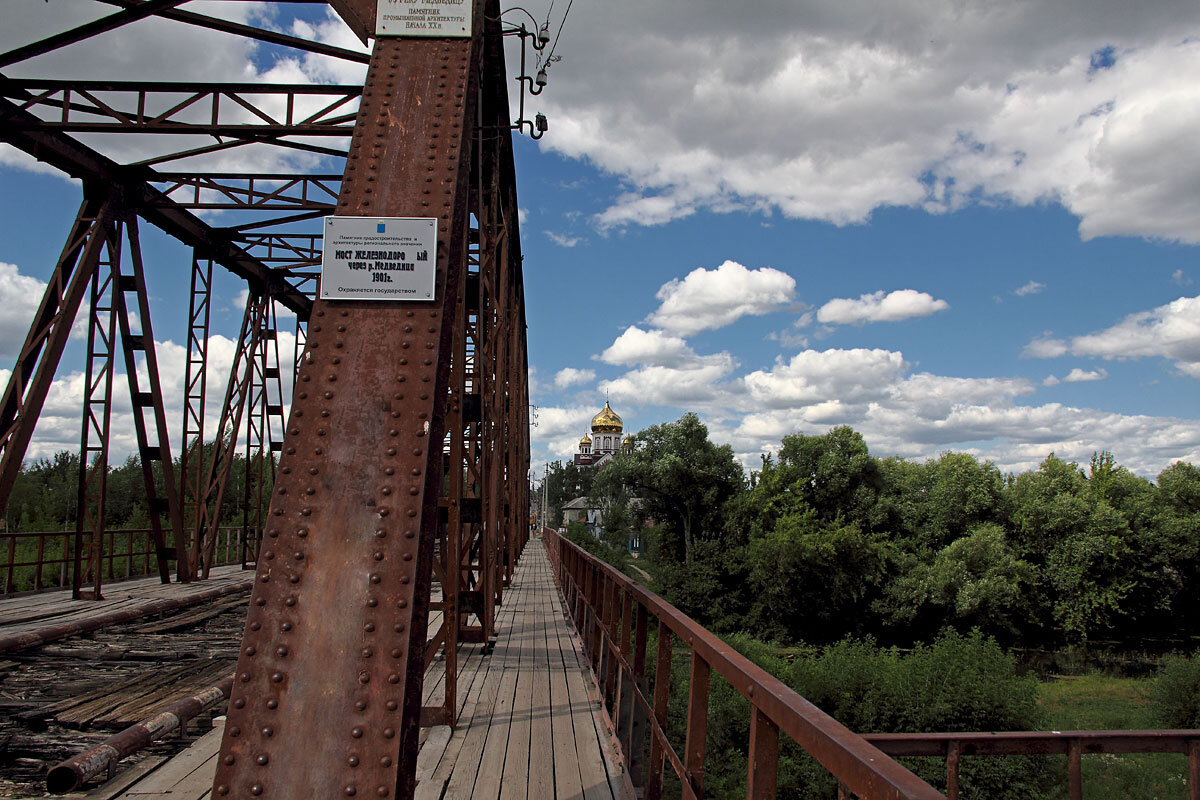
586,440
628,442
607,421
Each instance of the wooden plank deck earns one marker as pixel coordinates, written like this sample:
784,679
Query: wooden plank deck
31,613
528,725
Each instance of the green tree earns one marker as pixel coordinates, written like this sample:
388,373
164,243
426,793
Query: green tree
680,477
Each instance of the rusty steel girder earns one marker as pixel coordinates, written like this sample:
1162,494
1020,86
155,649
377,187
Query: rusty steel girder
327,694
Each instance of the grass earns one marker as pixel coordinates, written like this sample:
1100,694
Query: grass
1099,702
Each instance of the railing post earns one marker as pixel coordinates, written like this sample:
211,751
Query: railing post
624,702
1193,770
952,749
1075,769
637,735
662,694
764,757
697,724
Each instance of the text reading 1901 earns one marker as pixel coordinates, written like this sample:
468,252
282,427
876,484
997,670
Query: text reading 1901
362,252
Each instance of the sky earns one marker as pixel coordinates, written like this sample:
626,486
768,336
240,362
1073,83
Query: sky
952,225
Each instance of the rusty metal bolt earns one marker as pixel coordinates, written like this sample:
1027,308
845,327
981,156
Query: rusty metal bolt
228,760
262,760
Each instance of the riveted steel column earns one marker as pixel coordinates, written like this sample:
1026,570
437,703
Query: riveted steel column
327,693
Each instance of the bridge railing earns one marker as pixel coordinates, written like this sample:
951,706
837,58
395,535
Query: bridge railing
613,616
37,560
1073,744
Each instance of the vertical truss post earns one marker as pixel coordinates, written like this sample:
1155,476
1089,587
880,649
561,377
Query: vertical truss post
48,333
195,387
337,625
154,447
298,349
225,444
264,432
92,490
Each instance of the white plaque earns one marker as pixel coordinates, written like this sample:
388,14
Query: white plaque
444,18
379,258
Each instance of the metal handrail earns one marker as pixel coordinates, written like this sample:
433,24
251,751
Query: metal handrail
50,568
611,613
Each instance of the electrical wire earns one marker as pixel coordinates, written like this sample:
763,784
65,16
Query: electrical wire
560,27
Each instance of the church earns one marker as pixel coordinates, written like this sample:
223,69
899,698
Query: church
605,439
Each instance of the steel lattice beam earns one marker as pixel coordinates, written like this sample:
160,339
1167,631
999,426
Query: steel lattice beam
79,161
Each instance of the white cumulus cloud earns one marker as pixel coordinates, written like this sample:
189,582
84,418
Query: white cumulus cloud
880,307
20,296
637,346
831,111
713,298
569,376
1169,331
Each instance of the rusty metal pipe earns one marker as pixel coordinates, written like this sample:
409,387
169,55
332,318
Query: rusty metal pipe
76,771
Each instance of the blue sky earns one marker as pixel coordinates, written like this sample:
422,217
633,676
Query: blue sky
954,226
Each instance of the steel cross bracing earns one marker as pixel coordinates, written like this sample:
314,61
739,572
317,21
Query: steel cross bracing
393,443
266,244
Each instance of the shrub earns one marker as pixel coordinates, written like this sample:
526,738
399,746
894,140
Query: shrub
1175,699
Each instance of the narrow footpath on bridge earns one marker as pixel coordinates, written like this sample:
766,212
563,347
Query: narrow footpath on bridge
529,721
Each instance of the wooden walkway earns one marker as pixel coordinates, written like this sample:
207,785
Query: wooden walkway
528,724
33,619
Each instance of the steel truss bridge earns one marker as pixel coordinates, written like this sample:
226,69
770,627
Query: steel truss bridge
394,489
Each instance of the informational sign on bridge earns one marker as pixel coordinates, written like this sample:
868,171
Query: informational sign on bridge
444,18
379,258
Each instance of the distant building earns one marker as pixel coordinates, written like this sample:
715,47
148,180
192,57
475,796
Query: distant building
605,439
595,450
